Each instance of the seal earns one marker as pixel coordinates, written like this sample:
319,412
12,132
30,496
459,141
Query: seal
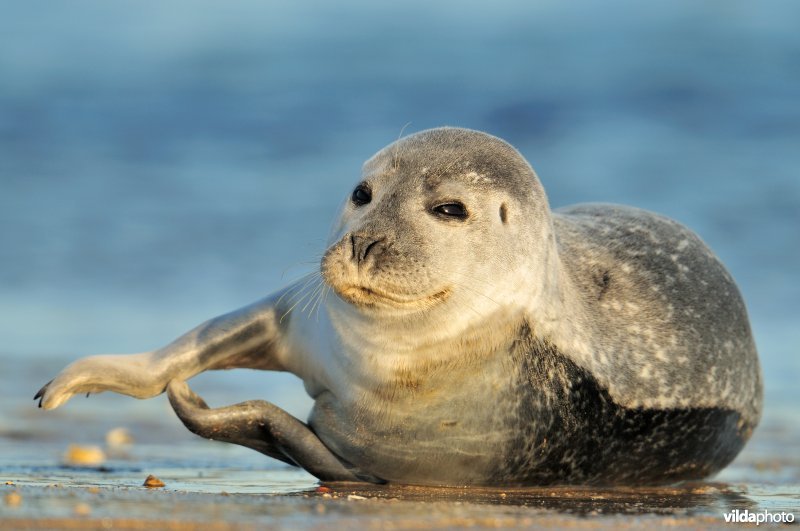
459,332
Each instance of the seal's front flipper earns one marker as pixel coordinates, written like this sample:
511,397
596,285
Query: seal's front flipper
263,427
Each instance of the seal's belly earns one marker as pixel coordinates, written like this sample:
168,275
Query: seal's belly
454,435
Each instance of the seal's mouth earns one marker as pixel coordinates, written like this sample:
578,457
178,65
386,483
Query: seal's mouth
362,296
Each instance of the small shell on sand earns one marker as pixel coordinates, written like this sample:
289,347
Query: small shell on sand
84,455
153,482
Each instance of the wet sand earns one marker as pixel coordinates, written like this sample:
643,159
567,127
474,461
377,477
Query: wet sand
351,506
217,486
354,506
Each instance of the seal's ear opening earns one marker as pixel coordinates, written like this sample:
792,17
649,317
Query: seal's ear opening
503,213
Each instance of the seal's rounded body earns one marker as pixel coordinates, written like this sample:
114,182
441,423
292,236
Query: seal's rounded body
462,333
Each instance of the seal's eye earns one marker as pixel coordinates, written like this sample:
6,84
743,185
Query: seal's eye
361,195
451,210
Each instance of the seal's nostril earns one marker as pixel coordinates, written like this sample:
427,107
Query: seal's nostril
362,246
369,247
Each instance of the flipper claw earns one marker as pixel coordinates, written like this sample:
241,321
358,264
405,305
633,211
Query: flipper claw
41,392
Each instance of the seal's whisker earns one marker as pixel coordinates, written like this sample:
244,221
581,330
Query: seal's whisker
295,288
314,295
306,291
299,286
325,293
317,298
287,312
312,283
320,301
396,153
298,264
328,292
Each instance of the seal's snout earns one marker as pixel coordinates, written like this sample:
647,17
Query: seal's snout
364,245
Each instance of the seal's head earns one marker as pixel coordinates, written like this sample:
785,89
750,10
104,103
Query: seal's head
443,217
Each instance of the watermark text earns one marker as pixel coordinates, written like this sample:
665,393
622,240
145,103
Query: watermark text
745,516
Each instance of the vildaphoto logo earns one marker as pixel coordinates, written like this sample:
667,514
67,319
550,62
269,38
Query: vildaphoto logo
739,516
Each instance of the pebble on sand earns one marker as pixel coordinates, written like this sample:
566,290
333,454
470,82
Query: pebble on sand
153,482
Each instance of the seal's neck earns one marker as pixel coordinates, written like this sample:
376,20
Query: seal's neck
378,348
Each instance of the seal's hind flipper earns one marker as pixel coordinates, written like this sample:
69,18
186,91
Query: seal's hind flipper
263,427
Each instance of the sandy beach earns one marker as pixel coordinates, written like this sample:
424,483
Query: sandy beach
343,506
351,507
216,486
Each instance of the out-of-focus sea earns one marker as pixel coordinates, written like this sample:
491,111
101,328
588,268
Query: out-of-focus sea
165,162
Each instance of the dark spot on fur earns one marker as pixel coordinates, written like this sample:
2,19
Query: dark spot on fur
603,282
503,214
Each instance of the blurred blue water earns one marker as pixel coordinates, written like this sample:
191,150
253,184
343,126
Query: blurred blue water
162,163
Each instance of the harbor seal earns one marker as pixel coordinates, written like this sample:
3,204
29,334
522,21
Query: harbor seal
459,332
